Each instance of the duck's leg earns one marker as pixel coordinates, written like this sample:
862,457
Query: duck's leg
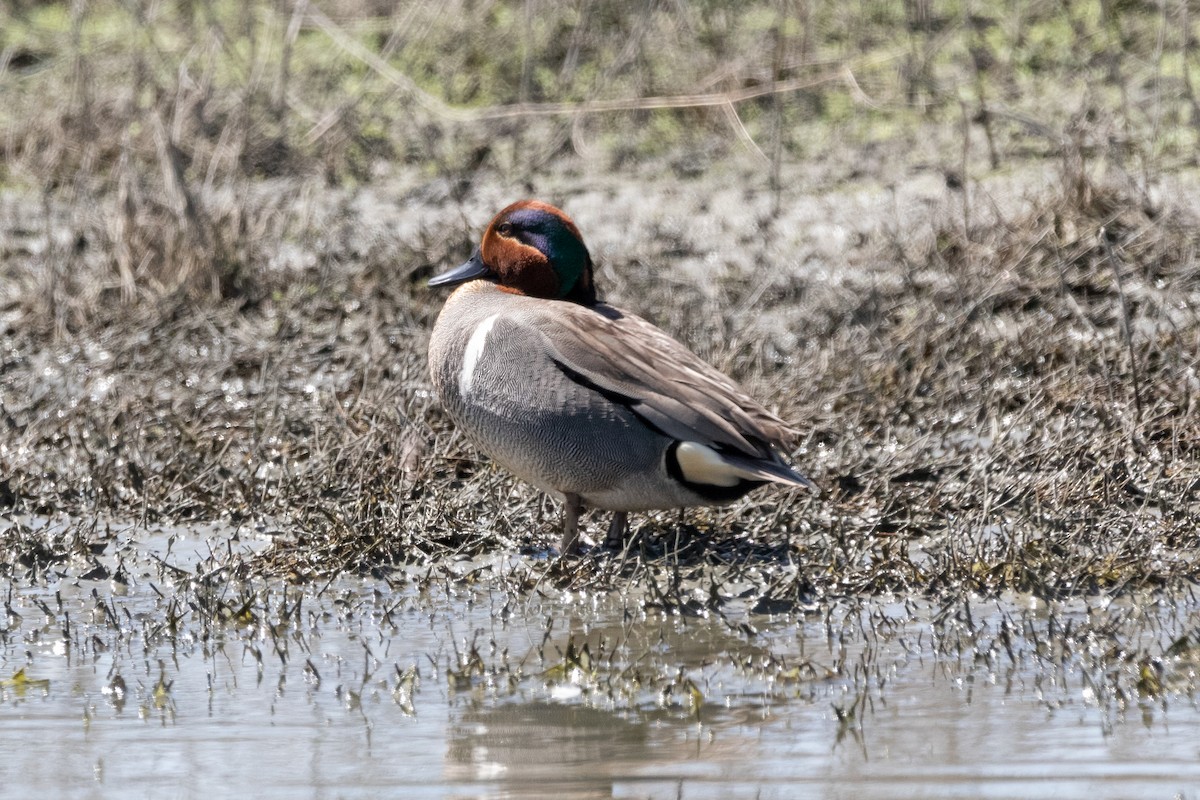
616,530
570,537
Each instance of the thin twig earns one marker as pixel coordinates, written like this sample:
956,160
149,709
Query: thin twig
1126,328
450,113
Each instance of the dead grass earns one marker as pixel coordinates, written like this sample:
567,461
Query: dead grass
205,318
974,407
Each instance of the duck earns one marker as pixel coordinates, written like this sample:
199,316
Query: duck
590,403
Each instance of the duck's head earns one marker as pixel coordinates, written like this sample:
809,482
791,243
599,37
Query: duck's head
530,248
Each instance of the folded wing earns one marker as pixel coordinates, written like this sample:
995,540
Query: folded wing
671,390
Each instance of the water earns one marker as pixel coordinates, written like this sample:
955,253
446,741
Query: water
413,687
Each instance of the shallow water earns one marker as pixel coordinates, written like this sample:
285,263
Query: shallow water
410,686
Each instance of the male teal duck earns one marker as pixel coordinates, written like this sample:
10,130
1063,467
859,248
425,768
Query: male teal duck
589,403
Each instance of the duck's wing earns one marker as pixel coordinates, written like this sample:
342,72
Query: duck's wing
671,389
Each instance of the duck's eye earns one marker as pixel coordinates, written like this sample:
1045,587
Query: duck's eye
504,229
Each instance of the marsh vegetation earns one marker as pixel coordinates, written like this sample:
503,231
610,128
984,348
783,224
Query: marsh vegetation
955,243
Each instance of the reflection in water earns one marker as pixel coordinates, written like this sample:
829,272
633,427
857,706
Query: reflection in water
367,689
543,747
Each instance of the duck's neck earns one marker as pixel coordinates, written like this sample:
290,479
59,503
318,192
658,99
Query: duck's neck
584,290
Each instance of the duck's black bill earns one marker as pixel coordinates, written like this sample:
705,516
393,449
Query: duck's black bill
472,269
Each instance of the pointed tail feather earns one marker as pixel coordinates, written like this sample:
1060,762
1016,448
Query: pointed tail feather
764,470
701,464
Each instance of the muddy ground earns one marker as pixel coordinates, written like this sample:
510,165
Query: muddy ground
1006,401
986,325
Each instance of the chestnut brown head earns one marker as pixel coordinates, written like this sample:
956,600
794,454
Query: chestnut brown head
530,248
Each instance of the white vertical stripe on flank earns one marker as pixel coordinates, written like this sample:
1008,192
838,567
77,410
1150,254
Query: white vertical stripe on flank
471,356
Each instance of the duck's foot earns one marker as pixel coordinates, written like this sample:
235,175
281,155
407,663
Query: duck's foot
616,530
570,537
